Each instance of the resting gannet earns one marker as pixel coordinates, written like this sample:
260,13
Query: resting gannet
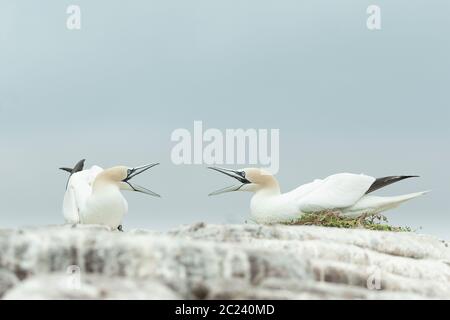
343,193
93,196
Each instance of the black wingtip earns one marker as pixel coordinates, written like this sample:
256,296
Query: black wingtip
78,167
385,181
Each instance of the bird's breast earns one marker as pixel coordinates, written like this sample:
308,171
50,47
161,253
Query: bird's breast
106,208
273,209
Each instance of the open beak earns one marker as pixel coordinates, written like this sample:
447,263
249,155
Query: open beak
238,175
133,172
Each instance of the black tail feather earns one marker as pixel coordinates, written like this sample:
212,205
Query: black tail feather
77,168
383,182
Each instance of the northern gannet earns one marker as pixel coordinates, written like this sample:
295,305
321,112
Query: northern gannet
343,193
93,196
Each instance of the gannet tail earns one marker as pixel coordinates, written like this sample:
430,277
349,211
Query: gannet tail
385,181
77,168
374,204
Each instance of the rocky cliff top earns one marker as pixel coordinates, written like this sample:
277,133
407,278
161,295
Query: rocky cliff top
204,261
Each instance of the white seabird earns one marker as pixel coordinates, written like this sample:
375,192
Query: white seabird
93,196
344,193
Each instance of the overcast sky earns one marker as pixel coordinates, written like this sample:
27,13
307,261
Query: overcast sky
344,98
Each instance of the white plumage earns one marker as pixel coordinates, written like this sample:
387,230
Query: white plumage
343,193
107,206
94,196
337,191
79,189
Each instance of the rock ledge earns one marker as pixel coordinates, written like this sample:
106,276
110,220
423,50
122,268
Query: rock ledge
204,261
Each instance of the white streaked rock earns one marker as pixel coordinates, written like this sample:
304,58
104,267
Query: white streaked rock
62,286
7,281
228,261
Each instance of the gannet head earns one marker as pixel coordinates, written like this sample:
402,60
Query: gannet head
251,179
121,176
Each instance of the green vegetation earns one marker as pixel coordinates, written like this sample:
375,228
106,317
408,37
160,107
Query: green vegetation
332,219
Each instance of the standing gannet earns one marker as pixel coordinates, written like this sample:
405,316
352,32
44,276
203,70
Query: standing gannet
93,196
343,193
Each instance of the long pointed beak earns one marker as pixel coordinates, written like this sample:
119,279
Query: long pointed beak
238,175
138,188
227,189
137,171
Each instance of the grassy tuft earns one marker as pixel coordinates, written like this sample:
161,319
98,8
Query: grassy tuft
332,219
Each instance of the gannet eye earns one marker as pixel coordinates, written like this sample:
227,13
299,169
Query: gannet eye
243,174
129,172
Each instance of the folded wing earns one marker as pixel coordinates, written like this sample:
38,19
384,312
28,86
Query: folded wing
336,192
79,189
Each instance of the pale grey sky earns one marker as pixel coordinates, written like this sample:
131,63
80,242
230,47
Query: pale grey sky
344,98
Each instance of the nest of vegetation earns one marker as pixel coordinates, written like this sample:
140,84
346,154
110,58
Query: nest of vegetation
332,219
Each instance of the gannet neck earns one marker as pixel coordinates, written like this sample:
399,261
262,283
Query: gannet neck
268,186
266,191
269,205
106,180
101,186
